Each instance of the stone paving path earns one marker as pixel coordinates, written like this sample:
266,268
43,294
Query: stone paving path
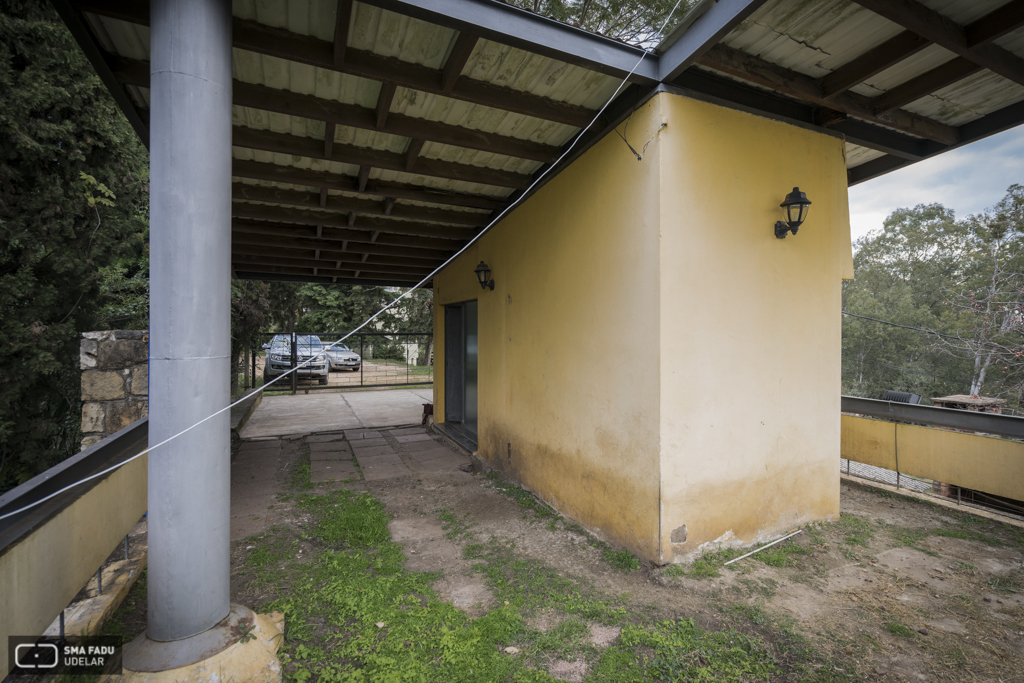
373,455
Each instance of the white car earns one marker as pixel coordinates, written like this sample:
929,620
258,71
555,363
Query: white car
340,357
308,348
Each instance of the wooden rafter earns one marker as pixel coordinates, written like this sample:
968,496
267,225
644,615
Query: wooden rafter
938,78
943,31
295,145
872,62
340,204
277,173
285,214
456,61
341,23
294,47
136,72
750,68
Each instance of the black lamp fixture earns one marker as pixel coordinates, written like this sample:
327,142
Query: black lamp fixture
796,206
483,276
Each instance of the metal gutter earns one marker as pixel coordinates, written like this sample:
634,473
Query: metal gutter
988,423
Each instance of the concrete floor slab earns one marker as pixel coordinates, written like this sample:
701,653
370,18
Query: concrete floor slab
414,446
361,434
386,472
372,451
330,411
410,438
325,438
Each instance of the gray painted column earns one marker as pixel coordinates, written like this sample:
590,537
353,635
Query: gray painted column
190,280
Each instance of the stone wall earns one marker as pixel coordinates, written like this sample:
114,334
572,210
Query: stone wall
115,381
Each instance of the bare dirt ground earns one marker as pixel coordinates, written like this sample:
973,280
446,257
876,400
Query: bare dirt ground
896,590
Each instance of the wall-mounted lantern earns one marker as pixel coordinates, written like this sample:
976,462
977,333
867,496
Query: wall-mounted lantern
483,276
796,206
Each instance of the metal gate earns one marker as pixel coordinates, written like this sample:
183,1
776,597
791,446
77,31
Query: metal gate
374,359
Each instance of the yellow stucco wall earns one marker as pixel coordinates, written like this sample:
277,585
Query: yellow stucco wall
52,564
568,342
750,327
654,355
973,461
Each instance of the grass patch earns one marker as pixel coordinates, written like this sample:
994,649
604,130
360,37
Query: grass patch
453,528
680,651
302,473
857,530
898,629
521,496
968,535
621,559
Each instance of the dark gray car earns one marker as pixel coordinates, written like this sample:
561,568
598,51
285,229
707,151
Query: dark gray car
307,347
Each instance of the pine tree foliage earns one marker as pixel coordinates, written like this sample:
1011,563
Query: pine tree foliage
73,199
961,280
626,20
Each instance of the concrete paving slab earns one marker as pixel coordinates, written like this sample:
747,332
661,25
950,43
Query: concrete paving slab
387,472
421,446
270,444
329,446
357,434
444,462
325,438
378,460
325,470
365,443
331,455
410,438
372,450
405,431
431,453
330,411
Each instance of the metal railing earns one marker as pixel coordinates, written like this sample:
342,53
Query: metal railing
375,359
941,444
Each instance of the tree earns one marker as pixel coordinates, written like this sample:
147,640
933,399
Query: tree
626,20
63,145
961,281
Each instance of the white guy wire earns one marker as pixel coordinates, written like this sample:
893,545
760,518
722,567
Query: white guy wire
374,316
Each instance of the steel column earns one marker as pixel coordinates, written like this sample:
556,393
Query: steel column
190,270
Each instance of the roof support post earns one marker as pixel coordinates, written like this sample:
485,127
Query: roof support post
190,271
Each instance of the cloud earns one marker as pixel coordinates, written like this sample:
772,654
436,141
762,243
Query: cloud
967,180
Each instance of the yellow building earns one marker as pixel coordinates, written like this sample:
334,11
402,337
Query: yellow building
652,361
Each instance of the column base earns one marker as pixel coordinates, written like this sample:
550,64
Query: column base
213,656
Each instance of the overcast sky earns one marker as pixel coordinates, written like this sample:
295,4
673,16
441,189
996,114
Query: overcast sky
967,180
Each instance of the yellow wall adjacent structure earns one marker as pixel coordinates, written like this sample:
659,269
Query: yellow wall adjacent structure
973,461
51,565
750,327
653,355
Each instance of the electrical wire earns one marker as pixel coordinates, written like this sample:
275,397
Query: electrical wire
905,327
373,317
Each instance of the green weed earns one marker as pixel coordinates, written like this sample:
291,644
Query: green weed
680,651
898,629
621,559
858,530
452,526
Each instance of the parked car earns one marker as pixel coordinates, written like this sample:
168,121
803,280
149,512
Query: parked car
307,348
340,357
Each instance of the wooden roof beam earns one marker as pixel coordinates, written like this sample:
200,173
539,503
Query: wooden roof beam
286,214
268,226
997,24
872,62
295,47
296,145
240,259
938,78
755,70
341,24
274,195
266,236
456,61
277,173
136,72
253,271
332,255
943,31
